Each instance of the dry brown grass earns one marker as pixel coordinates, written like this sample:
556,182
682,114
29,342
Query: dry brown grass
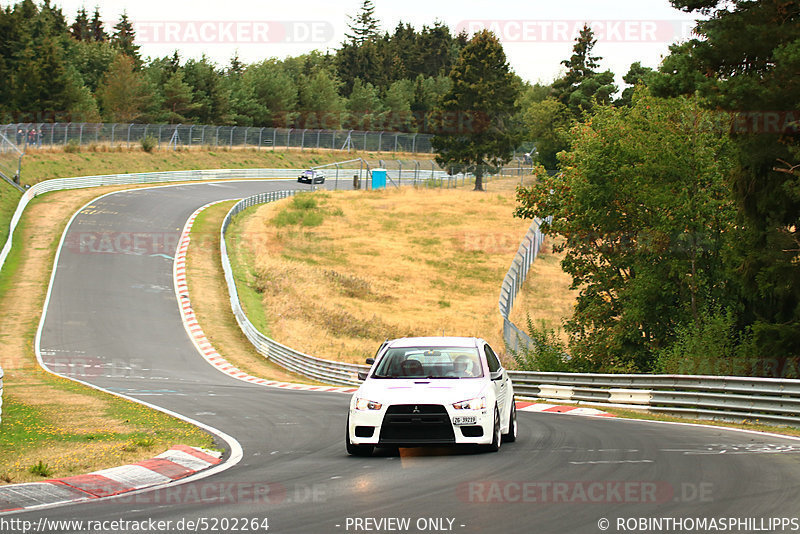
385,264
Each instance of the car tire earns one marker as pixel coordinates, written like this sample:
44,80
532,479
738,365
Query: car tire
497,438
356,450
511,437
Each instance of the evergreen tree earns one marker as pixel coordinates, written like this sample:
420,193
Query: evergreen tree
96,29
273,89
208,94
582,86
124,38
637,75
364,26
177,105
482,102
80,29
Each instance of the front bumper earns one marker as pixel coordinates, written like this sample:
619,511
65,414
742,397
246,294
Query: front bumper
402,425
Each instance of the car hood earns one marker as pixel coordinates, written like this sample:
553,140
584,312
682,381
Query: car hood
423,391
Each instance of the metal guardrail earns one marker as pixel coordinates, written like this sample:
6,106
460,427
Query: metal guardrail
316,368
772,400
172,136
527,253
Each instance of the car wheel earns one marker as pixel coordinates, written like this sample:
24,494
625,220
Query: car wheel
512,424
496,435
356,450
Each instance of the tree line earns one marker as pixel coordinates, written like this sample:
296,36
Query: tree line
53,70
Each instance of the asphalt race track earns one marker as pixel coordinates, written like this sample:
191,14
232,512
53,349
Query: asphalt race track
112,320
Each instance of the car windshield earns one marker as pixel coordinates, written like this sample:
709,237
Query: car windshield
429,362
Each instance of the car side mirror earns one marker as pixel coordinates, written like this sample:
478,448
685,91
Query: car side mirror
362,375
370,361
497,375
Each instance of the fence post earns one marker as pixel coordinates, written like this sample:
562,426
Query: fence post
260,134
230,145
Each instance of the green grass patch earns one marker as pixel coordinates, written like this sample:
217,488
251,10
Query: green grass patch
242,262
9,198
305,209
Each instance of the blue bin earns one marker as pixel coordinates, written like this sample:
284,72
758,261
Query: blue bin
378,178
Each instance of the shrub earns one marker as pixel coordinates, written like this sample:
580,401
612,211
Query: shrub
547,353
72,147
148,143
41,469
714,345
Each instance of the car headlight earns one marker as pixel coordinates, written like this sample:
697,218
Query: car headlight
471,404
364,404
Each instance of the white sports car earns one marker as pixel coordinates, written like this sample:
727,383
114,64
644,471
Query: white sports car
432,391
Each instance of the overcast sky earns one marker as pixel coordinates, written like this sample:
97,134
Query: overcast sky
536,34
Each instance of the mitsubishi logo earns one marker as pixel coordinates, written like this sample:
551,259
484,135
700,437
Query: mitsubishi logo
416,409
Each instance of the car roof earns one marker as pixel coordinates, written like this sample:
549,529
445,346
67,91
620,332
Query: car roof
443,341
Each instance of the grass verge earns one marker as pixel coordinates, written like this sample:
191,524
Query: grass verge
43,164
9,198
754,425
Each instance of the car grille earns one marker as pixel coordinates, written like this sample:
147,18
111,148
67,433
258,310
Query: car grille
416,424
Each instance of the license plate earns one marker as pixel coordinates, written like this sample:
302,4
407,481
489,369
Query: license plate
465,420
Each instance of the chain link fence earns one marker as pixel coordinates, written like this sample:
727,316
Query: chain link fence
527,253
173,136
10,161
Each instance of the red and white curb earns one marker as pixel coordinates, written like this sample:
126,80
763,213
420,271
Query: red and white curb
526,406
178,462
199,338
208,352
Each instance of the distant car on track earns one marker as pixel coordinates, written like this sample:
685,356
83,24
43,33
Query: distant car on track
311,176
432,391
